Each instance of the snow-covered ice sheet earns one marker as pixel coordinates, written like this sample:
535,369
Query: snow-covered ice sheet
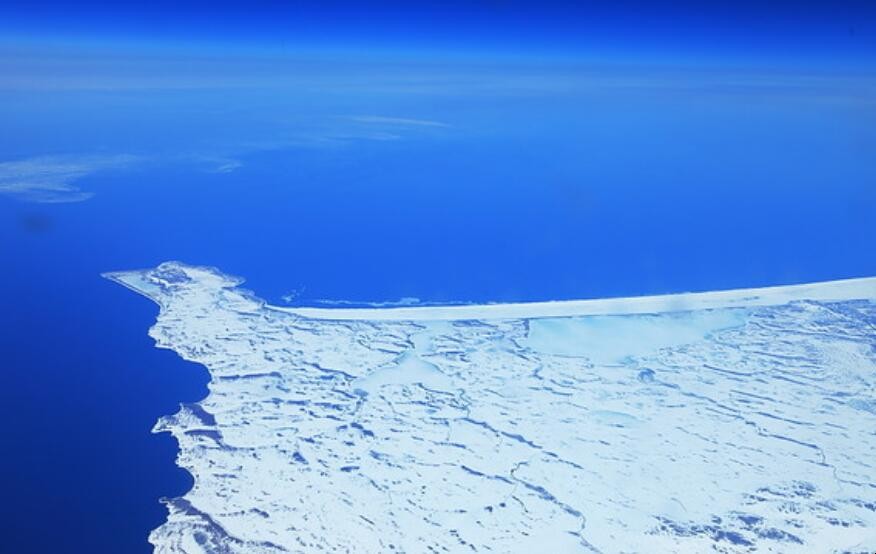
736,421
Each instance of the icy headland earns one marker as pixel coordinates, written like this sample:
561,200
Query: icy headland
736,421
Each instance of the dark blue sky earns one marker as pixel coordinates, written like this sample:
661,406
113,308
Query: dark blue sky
778,29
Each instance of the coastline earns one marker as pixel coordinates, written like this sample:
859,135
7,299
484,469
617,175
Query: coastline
860,288
838,290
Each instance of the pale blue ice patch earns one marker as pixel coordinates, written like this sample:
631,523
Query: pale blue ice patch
612,339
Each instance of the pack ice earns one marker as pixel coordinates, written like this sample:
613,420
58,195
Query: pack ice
735,421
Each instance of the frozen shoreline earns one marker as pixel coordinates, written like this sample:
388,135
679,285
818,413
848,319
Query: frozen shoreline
822,291
846,289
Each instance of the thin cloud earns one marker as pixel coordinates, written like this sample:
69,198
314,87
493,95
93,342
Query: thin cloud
227,166
215,163
52,179
400,121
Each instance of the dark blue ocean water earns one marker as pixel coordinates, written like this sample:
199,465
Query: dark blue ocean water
524,192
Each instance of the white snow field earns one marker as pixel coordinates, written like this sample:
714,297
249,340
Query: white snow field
736,421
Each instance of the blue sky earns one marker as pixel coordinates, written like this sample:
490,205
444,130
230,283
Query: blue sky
817,31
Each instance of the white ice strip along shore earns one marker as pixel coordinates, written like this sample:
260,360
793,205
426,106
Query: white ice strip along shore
727,422
846,289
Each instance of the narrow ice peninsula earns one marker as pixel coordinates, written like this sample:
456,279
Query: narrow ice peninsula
729,422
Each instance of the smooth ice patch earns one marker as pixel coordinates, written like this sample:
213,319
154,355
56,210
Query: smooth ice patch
613,419
611,339
408,370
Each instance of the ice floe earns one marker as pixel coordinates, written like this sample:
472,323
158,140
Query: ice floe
736,421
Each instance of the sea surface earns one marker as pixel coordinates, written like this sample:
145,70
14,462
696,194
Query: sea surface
511,187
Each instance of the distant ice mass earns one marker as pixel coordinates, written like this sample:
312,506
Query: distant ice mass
51,179
737,421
